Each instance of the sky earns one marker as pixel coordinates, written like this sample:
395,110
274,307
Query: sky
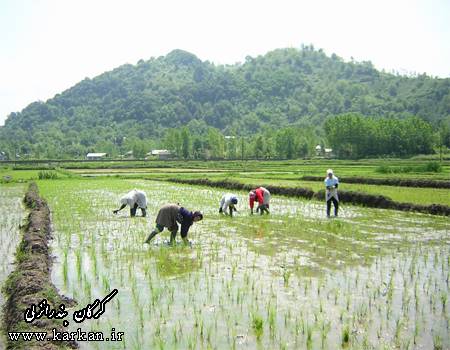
47,46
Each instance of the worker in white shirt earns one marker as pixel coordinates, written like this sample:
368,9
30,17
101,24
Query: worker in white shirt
331,194
228,201
135,199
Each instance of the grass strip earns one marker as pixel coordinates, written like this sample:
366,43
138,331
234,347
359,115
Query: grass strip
386,182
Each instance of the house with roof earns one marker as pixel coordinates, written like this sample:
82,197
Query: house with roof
160,154
96,156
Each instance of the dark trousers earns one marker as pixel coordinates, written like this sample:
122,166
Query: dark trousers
263,208
134,209
336,206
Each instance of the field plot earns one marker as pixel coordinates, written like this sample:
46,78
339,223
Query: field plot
12,215
290,280
414,195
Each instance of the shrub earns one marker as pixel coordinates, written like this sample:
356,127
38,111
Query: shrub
432,167
47,175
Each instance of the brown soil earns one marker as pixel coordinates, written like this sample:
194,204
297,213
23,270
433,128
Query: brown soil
31,280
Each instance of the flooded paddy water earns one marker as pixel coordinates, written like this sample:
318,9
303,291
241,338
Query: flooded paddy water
12,215
289,280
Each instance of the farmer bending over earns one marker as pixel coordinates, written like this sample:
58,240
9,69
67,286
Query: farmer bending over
135,199
331,195
262,196
168,216
229,202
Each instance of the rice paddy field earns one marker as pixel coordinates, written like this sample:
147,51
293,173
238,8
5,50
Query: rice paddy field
399,194
370,279
12,216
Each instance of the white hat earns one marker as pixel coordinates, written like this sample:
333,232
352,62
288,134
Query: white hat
330,171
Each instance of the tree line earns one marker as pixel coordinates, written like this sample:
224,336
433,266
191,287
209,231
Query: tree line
357,136
133,107
350,136
285,143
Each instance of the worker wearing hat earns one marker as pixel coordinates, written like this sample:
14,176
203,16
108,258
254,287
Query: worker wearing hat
228,201
331,195
135,199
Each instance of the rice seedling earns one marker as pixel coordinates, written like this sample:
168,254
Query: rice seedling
65,269
345,336
444,297
437,342
272,320
332,278
257,325
309,331
286,276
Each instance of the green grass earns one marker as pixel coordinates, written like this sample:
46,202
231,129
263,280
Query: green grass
8,175
415,195
292,279
400,194
281,173
299,167
289,173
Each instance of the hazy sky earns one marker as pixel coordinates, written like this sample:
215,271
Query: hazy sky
47,46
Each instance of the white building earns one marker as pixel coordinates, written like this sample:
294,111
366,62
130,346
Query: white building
328,152
96,156
161,153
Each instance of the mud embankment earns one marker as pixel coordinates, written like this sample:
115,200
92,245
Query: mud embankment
285,191
386,182
353,197
30,282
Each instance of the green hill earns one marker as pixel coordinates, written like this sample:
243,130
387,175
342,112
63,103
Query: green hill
285,87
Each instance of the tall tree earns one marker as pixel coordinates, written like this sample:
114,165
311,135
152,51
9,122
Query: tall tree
186,143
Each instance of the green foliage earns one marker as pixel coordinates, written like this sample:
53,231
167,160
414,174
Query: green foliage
257,325
345,336
285,88
429,167
432,167
47,174
355,136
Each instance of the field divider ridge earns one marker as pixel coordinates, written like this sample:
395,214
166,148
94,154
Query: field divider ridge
425,183
352,197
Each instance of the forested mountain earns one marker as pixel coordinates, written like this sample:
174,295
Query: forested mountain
133,106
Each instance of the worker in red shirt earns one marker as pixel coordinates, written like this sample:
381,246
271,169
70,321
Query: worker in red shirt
262,196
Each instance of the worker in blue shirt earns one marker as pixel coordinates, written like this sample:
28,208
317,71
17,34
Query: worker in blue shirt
169,216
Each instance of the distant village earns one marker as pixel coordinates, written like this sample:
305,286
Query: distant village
162,154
